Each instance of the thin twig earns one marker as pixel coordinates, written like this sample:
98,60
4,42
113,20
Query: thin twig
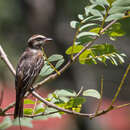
42,114
101,93
80,91
1,95
120,106
121,84
6,60
8,107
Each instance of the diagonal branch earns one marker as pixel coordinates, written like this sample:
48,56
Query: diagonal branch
6,60
49,104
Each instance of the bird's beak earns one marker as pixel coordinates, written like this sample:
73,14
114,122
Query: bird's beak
48,39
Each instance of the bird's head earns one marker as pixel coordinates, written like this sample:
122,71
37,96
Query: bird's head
37,41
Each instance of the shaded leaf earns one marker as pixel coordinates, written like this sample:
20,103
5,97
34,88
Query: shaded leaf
92,93
59,63
39,108
80,16
23,122
120,6
83,40
55,57
91,18
115,30
85,27
74,24
100,2
46,70
6,123
65,93
113,61
110,1
120,58
114,17
50,110
84,34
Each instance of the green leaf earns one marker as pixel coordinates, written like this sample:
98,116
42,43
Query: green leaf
46,70
28,101
97,13
95,30
101,52
115,30
120,6
6,123
59,63
86,26
122,54
83,40
55,57
80,16
76,49
74,24
92,93
23,122
84,34
113,61
65,93
91,18
100,2
120,58
39,108
50,110
75,102
84,55
28,111
114,17
110,1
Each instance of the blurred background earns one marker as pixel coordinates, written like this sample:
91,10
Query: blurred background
20,19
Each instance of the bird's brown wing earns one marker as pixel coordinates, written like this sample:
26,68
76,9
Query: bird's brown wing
27,71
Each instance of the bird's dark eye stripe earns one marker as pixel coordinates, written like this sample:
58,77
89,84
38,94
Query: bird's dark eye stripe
39,39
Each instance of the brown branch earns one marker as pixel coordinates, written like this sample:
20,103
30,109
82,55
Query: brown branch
49,104
8,107
1,95
6,60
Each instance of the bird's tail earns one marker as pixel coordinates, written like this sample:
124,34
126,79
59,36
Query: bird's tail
18,112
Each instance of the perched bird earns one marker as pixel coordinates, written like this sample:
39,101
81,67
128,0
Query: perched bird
28,68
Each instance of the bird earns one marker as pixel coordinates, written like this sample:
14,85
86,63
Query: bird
28,68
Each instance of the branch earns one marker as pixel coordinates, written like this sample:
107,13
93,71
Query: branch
49,104
6,60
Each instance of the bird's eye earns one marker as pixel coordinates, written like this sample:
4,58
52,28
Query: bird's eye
39,39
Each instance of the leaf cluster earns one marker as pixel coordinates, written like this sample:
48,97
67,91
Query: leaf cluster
91,25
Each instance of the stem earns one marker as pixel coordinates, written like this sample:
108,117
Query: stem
121,84
44,54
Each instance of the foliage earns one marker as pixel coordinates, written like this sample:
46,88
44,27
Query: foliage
100,18
91,24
